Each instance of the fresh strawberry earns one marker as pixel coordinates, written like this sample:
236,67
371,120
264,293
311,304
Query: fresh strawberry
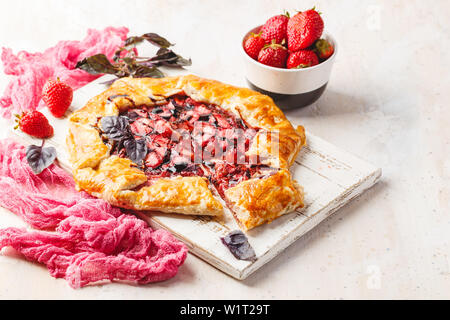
323,48
275,28
35,124
57,96
253,45
304,29
274,55
302,59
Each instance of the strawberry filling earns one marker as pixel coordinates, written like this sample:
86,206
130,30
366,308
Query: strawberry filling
186,137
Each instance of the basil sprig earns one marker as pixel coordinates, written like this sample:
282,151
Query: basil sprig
127,64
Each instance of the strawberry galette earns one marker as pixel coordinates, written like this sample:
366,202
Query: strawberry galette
187,145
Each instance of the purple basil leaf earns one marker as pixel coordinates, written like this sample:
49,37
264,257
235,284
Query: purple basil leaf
117,54
115,128
136,149
147,63
183,62
170,65
133,41
164,53
157,40
142,71
133,116
97,64
169,58
40,158
237,242
128,60
164,59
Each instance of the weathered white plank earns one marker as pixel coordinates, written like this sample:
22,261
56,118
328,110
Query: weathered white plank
330,177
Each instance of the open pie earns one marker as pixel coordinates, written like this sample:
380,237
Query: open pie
187,145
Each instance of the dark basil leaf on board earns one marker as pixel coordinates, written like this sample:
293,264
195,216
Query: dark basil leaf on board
237,242
136,149
40,158
115,128
97,64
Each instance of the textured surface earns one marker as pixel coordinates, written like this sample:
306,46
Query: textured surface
390,108
79,238
30,71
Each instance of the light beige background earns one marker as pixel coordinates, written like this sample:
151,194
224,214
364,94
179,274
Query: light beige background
387,102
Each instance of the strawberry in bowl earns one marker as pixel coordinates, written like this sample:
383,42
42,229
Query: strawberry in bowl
274,55
294,64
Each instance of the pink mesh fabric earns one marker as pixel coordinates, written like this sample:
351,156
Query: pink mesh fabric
30,71
82,239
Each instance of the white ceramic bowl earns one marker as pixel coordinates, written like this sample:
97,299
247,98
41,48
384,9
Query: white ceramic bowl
290,88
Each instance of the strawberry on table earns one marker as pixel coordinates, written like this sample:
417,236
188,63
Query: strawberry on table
275,28
253,45
274,55
323,48
304,29
35,124
302,59
57,96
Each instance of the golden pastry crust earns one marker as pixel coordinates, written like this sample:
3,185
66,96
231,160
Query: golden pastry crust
257,201
115,179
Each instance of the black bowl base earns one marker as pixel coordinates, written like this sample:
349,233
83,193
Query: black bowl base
291,101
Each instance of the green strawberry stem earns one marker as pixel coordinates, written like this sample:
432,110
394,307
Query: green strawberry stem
274,45
17,120
256,34
302,66
314,9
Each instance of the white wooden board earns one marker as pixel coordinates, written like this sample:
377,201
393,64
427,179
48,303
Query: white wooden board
330,177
